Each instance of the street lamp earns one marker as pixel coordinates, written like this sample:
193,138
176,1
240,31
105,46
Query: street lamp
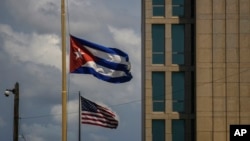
14,91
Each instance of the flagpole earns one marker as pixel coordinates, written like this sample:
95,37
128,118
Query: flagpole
64,75
79,126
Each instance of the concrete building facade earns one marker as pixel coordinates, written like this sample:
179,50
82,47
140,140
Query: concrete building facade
196,68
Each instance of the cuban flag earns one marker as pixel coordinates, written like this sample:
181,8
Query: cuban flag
108,64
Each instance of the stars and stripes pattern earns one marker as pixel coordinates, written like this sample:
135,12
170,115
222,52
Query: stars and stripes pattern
92,113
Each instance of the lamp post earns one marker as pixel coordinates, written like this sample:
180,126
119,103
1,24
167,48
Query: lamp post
15,91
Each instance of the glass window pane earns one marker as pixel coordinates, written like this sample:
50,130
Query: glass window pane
178,43
178,37
178,130
158,7
158,91
158,106
158,43
178,11
158,2
158,11
177,2
158,37
158,80
158,58
158,130
178,7
178,82
178,91
178,106
178,58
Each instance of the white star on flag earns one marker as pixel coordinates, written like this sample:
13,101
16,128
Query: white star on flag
79,54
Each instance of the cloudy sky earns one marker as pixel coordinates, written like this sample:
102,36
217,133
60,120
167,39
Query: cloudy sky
30,53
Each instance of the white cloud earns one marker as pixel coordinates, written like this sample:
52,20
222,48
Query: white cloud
95,137
72,110
85,3
56,111
42,14
37,48
125,37
38,132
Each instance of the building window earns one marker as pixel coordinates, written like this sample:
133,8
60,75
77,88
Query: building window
178,8
158,44
158,7
178,42
178,130
158,91
158,130
178,91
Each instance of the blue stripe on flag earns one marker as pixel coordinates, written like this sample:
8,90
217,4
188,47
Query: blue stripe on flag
101,48
111,65
88,70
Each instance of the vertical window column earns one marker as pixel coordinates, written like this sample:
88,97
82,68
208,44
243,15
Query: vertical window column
158,43
178,8
158,7
158,130
178,43
178,91
158,91
178,130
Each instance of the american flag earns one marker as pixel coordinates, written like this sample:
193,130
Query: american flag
92,113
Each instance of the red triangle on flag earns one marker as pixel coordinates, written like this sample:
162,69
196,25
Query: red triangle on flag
79,55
